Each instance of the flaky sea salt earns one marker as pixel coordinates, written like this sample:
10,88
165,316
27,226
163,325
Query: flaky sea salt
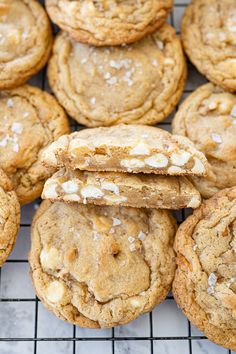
216,138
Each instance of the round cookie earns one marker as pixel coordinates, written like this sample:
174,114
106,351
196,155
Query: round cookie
209,39
126,189
25,39
30,120
127,148
208,118
108,22
9,217
140,83
101,266
205,280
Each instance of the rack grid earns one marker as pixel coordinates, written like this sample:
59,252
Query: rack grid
27,328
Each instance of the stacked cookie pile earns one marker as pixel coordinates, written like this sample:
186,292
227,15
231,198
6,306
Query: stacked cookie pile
104,265
115,61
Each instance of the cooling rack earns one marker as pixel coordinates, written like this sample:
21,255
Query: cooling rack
26,327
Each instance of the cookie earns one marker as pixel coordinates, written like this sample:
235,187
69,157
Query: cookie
9,217
139,83
30,120
101,266
127,148
209,39
108,22
110,188
205,280
25,40
208,118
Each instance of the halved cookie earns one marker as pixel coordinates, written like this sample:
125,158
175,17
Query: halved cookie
208,118
108,22
30,120
127,148
113,188
25,40
101,266
135,84
205,280
9,217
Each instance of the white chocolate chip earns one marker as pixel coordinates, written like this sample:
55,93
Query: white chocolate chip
110,186
180,158
232,28
132,163
169,62
55,292
172,170
69,187
91,192
71,198
194,202
49,258
25,114
81,144
131,239
216,138
198,168
116,222
135,303
87,9
50,191
157,161
17,128
194,248
212,105
140,149
159,44
115,199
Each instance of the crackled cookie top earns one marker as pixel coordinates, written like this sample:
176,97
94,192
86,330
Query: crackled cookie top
208,118
139,83
205,281
114,188
30,119
9,217
108,22
209,38
127,148
101,266
25,41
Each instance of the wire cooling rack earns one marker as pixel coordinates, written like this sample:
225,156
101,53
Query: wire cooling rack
26,327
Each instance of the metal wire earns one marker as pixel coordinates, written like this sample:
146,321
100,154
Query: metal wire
179,6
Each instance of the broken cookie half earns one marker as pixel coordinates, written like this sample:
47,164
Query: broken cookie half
111,188
127,148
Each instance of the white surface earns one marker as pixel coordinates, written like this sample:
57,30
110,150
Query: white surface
17,318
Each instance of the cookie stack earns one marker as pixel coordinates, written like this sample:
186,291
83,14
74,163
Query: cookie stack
103,265
101,79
